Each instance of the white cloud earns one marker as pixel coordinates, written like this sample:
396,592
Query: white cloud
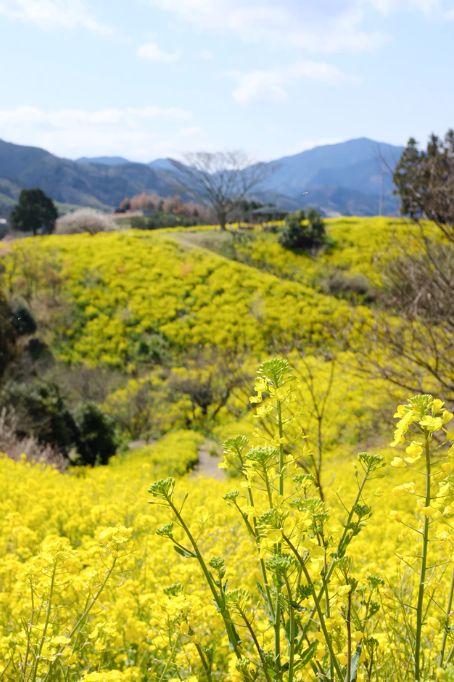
324,26
271,85
190,131
53,14
427,7
258,85
153,52
132,132
321,26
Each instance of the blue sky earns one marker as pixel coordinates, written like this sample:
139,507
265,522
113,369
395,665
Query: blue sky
151,78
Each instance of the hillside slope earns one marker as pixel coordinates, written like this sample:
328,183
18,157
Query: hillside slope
123,291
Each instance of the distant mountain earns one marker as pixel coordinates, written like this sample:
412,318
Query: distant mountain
157,164
167,165
104,160
349,178
71,182
353,177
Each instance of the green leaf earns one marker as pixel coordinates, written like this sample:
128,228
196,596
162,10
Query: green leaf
184,552
355,663
306,655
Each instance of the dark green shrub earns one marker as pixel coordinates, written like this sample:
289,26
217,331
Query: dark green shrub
8,336
96,439
303,231
22,320
40,412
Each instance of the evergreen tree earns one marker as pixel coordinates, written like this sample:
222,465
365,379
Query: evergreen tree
425,181
35,211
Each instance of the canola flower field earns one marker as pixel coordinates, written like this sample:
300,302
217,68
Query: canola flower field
90,591
308,562
124,288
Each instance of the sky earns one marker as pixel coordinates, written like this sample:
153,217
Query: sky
153,78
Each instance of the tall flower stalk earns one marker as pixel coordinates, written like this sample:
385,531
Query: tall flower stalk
300,564
423,418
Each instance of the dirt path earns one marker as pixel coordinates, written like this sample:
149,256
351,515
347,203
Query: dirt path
208,465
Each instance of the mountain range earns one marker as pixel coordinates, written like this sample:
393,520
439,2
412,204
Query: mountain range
348,178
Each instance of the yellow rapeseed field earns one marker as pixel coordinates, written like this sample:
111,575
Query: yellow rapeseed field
309,561
89,591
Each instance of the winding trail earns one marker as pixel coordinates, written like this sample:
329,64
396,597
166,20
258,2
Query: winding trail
208,465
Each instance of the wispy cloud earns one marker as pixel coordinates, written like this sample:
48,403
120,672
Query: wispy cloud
132,131
322,26
54,14
271,84
154,53
428,7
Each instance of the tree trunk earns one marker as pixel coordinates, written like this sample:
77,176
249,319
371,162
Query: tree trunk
222,218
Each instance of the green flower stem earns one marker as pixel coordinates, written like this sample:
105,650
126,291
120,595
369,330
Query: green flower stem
268,487
29,634
206,667
281,447
292,634
261,561
277,618
318,468
93,601
348,622
89,604
225,613
256,643
318,608
423,568
446,628
46,623
342,543
277,625
170,658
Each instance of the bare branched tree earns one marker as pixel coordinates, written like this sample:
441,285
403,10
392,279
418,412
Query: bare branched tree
221,180
210,379
413,335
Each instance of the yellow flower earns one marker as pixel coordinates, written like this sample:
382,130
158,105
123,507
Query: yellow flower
431,423
406,488
431,512
398,463
437,405
414,451
344,589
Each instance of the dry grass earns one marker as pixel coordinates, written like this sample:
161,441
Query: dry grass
18,448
